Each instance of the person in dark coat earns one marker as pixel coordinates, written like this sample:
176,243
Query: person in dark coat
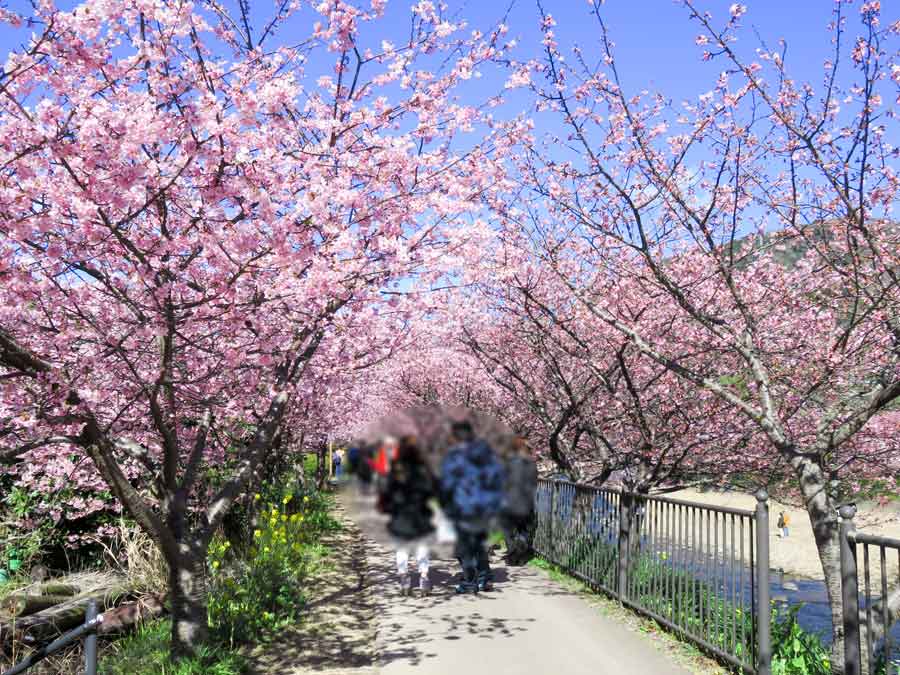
407,490
516,516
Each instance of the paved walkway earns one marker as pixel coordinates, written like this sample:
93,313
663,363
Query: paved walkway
528,624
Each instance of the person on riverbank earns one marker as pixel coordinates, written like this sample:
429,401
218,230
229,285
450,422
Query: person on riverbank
471,494
784,521
517,511
408,488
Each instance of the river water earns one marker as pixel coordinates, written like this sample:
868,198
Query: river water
787,591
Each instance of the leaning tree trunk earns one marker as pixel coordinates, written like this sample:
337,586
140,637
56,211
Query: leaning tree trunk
187,593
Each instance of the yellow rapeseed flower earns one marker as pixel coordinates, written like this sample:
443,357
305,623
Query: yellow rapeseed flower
286,499
306,499
257,534
256,496
215,564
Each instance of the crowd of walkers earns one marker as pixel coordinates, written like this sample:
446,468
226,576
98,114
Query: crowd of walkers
475,488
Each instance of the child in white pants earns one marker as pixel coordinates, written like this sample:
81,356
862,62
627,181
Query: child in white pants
422,562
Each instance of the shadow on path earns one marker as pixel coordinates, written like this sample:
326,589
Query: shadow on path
338,631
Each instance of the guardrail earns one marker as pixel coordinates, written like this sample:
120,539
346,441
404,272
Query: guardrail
700,570
876,618
86,631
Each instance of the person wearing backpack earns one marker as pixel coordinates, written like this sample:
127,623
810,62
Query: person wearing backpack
471,495
518,502
784,521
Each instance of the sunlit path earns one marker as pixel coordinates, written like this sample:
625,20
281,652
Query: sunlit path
527,624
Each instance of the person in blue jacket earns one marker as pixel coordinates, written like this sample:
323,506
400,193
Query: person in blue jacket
471,495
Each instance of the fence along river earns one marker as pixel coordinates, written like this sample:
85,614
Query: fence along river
694,567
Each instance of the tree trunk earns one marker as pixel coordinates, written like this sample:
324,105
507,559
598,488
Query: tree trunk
822,512
22,605
828,544
51,622
321,466
187,591
58,589
130,614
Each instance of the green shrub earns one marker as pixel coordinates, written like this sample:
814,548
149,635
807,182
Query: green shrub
146,652
260,590
794,650
310,463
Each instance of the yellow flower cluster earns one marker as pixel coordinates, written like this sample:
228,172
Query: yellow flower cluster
217,552
280,535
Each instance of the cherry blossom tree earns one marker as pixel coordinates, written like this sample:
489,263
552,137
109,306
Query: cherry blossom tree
756,223
195,235
604,406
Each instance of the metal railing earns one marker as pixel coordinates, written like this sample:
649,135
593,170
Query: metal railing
86,631
700,570
875,619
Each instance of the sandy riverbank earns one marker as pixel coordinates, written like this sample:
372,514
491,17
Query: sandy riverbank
797,554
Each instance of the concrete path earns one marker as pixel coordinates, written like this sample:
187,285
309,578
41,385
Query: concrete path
358,624
527,624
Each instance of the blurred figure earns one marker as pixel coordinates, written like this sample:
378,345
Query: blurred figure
364,471
381,461
783,522
337,459
353,457
518,502
471,493
407,490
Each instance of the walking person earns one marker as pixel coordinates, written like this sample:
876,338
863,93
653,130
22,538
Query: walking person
353,455
784,520
516,516
336,461
365,471
407,490
471,493
381,461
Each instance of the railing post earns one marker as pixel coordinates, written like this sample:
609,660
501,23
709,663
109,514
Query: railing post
624,542
849,593
763,602
90,642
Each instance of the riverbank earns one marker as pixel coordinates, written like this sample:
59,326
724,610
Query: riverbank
797,555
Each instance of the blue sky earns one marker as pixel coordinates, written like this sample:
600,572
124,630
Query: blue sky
655,38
